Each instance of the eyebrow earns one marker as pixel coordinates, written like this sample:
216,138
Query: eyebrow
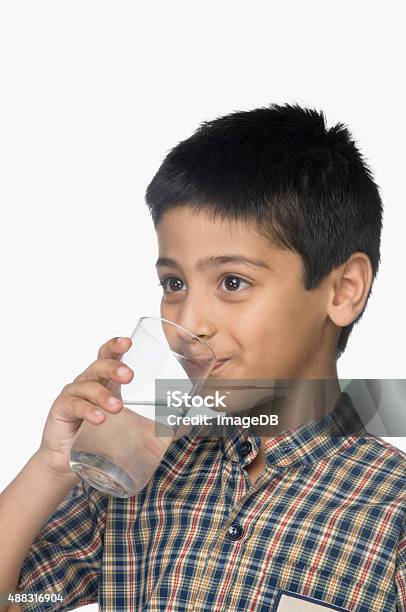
212,261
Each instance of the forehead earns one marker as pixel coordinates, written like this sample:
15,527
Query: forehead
191,239
183,229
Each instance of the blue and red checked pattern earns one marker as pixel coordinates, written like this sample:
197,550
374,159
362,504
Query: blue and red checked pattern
326,521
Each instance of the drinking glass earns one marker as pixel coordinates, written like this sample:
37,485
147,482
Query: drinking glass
120,455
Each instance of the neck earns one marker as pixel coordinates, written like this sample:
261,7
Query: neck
299,401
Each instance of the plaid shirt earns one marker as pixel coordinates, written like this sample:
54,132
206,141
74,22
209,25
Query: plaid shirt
324,524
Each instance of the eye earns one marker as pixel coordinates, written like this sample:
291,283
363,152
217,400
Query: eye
174,284
234,283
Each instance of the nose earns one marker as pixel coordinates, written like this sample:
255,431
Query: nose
193,317
187,343
198,324
199,356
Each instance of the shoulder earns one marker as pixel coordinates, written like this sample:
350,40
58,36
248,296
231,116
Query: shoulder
391,449
387,453
380,464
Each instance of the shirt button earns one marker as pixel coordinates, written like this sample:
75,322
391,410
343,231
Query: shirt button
235,531
245,448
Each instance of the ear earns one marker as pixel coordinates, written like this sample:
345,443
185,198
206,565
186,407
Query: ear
351,285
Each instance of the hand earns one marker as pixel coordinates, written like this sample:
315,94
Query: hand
81,399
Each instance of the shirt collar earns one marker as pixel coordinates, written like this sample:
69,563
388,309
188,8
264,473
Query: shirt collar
301,445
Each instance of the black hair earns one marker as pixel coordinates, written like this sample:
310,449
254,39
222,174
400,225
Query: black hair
306,187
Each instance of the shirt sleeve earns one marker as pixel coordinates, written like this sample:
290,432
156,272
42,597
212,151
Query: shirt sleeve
400,572
66,554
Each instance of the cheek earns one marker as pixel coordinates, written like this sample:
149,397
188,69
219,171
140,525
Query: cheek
163,310
280,334
271,318
168,310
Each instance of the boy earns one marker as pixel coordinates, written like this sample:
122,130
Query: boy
268,227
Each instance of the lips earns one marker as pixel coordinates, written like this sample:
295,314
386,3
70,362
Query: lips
219,364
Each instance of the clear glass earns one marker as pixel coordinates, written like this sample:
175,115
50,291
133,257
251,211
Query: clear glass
120,455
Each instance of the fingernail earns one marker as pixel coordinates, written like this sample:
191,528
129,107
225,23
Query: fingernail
121,340
113,401
123,371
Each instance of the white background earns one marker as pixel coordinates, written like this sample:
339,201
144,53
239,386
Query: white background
93,94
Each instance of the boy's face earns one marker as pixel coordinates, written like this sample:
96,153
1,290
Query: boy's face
260,318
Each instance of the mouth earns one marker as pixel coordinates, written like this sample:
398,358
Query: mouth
194,368
198,366
219,364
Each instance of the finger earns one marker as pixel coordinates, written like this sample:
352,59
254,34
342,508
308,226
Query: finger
114,348
104,370
94,393
81,409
